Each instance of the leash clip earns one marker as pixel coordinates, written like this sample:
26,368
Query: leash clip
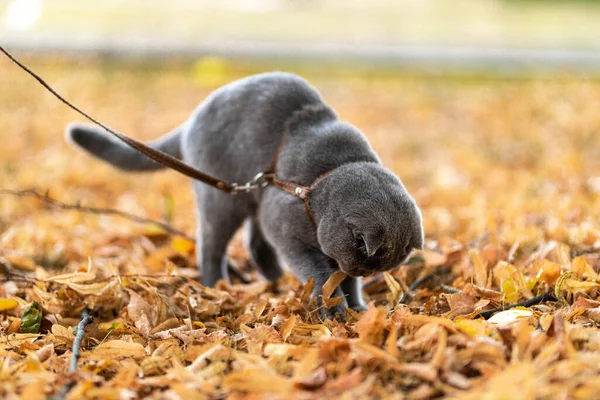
260,180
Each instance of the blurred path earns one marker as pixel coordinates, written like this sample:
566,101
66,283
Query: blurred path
386,56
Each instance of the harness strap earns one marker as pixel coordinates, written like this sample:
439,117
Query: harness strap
299,191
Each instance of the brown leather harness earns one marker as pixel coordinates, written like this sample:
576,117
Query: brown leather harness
262,179
269,177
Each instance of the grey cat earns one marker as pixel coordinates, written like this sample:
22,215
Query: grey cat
364,219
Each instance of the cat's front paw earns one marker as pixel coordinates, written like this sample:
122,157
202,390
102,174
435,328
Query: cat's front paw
338,313
335,312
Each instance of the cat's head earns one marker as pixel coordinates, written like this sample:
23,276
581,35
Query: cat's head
368,222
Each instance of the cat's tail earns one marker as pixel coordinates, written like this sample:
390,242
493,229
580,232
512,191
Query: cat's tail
100,144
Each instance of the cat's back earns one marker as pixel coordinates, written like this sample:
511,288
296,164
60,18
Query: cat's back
267,93
245,120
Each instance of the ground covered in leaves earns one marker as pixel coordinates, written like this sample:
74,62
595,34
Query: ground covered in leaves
507,173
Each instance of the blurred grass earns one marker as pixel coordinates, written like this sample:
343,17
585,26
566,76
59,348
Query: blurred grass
557,24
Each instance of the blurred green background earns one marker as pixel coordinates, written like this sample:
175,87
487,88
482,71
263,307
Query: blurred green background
513,23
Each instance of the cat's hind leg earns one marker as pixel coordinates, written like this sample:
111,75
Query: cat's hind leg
262,253
219,217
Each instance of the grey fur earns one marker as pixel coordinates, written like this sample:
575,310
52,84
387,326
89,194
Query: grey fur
366,221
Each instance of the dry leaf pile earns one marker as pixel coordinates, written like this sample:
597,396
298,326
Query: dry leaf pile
508,177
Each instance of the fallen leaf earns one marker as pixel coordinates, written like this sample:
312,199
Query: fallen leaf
19,262
258,381
510,290
7,304
394,287
509,316
76,277
287,327
183,245
31,318
371,325
316,380
480,272
117,350
460,304
332,283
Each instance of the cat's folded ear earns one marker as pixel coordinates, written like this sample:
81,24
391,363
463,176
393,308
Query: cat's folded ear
372,243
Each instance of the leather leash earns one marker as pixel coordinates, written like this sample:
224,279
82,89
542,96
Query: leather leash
262,179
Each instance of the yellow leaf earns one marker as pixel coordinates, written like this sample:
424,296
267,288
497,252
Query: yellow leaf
113,327
472,327
7,304
522,284
581,269
394,287
510,290
183,245
558,289
531,282
153,230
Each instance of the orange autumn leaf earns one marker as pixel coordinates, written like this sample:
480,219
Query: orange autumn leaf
332,283
371,325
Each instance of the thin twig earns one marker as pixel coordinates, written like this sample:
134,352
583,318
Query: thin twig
450,289
94,210
416,284
546,296
86,319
